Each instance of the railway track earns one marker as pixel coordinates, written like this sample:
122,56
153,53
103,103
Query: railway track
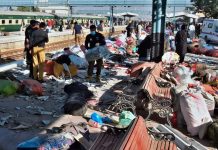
8,55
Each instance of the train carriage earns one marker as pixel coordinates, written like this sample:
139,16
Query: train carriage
13,20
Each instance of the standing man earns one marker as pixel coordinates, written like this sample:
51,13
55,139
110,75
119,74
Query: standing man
192,31
139,30
28,33
38,40
94,39
100,27
77,30
130,29
181,42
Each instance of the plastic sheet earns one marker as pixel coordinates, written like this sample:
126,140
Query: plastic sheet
8,87
80,62
126,118
97,53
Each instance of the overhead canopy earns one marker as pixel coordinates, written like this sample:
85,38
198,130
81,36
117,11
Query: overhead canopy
128,14
179,14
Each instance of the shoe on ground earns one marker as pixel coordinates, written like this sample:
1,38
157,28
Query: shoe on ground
98,79
41,81
89,79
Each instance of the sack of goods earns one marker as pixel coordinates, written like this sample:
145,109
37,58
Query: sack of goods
183,75
195,112
32,87
97,53
8,87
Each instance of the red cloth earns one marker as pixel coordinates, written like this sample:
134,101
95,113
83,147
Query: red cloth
32,86
209,89
137,68
212,53
49,67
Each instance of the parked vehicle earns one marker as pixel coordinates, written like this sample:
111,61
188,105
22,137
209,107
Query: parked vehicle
210,30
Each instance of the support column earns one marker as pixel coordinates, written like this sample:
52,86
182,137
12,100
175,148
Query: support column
163,25
158,29
112,19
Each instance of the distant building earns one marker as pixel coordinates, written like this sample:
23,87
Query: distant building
64,10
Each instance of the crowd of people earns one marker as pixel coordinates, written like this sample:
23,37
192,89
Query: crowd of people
36,37
137,34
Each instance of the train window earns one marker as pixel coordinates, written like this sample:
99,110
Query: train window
16,21
10,21
3,21
210,25
216,29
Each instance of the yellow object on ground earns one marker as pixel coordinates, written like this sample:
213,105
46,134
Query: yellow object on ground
59,69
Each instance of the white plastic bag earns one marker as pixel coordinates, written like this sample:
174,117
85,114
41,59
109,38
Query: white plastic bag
195,112
183,75
170,58
77,50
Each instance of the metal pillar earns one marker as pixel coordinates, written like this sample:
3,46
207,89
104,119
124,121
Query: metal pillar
158,29
112,19
163,18
174,13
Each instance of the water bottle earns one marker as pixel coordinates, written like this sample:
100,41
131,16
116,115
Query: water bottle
97,118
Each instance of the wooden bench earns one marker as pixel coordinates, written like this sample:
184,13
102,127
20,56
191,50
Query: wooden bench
155,95
136,137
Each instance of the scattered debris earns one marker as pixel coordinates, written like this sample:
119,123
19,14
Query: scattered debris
18,108
46,122
20,127
45,113
43,98
4,120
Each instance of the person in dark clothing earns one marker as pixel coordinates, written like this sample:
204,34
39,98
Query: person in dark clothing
28,33
38,40
94,39
197,30
143,48
61,25
181,42
130,29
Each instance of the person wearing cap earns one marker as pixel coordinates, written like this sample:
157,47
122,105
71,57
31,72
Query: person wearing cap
94,39
28,33
38,40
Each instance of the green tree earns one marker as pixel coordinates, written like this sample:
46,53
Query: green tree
23,8
26,8
208,7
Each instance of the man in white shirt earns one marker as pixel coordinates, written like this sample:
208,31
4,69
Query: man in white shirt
191,31
139,30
